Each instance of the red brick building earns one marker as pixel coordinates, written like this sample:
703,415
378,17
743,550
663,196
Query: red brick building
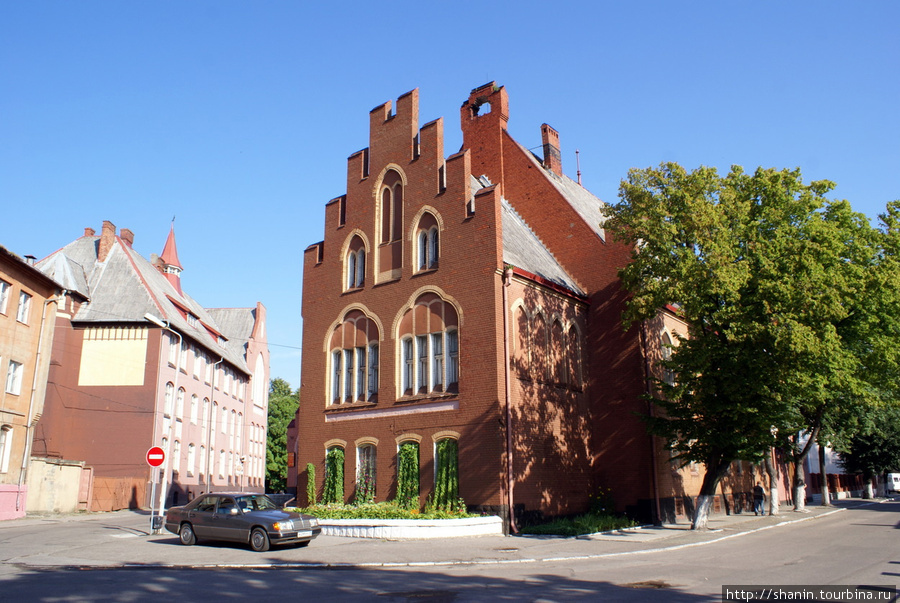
476,298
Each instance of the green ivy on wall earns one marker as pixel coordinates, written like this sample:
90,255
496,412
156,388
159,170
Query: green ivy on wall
310,484
408,475
334,476
446,487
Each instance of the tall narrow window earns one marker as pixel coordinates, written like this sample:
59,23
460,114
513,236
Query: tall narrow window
360,390
14,378
348,374
407,366
170,399
4,295
365,474
336,376
452,359
351,270
360,267
5,447
422,362
194,408
372,388
24,307
437,361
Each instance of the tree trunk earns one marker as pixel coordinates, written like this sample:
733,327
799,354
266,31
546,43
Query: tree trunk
715,471
867,492
799,485
824,474
772,472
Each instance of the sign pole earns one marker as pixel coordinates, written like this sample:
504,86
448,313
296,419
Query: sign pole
156,456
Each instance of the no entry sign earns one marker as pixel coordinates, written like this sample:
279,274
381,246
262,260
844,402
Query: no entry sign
156,456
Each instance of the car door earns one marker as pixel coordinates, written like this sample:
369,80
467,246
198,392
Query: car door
201,517
228,520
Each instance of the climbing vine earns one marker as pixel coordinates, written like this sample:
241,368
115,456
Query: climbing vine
446,487
334,476
408,475
310,484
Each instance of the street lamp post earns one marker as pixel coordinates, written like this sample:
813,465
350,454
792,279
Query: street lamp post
156,525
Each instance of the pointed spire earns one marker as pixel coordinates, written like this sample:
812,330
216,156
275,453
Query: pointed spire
171,267
170,251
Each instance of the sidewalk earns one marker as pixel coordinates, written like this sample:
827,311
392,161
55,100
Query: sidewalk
125,542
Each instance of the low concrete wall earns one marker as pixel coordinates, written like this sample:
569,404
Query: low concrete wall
398,529
53,485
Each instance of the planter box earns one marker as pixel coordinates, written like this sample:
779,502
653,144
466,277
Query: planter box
398,529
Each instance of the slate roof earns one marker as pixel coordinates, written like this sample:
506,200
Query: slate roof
583,201
126,286
523,249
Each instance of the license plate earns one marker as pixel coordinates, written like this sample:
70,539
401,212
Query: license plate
304,533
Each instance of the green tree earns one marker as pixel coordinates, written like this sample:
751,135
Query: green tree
283,405
875,448
766,272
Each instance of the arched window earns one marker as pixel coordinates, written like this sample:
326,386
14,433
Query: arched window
179,404
365,474
192,459
354,360
355,273
429,347
170,399
557,353
523,347
573,354
539,350
194,408
391,207
427,243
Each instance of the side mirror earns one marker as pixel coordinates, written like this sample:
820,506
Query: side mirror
233,511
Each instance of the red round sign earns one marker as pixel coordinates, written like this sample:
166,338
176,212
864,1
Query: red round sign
156,456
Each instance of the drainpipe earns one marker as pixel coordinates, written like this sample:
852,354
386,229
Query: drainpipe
653,459
26,451
507,278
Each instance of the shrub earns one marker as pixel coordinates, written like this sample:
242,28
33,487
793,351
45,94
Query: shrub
382,510
446,487
408,475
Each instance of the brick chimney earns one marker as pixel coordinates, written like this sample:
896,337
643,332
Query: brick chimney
550,142
127,236
89,232
107,240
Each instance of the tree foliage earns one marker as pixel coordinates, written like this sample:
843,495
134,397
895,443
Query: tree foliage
283,405
775,283
875,449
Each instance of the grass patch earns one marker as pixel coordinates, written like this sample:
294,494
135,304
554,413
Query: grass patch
382,510
583,524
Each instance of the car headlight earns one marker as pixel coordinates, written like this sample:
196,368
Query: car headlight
283,526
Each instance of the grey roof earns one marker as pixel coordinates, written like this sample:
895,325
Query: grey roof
67,272
126,286
236,324
582,201
523,249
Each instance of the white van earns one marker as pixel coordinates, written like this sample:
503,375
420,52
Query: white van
893,483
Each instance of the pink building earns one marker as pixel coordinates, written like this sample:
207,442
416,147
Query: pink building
138,363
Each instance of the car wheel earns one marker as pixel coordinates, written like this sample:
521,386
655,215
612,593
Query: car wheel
186,534
259,540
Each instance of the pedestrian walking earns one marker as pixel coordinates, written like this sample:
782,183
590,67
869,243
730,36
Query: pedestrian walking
759,497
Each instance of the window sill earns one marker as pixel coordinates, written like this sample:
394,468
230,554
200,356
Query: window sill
351,405
429,397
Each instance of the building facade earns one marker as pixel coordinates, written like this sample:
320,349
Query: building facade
28,302
475,298
138,363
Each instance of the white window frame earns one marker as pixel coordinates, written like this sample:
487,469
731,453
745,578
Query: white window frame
6,437
5,288
14,378
24,309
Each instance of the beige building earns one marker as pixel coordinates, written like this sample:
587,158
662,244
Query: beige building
28,301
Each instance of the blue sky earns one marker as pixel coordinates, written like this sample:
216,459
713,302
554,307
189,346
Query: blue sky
238,117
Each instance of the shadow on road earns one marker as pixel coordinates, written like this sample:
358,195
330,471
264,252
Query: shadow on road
137,584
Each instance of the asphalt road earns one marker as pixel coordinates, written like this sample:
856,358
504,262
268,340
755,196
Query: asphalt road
112,558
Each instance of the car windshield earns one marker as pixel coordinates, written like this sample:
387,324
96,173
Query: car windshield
256,502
